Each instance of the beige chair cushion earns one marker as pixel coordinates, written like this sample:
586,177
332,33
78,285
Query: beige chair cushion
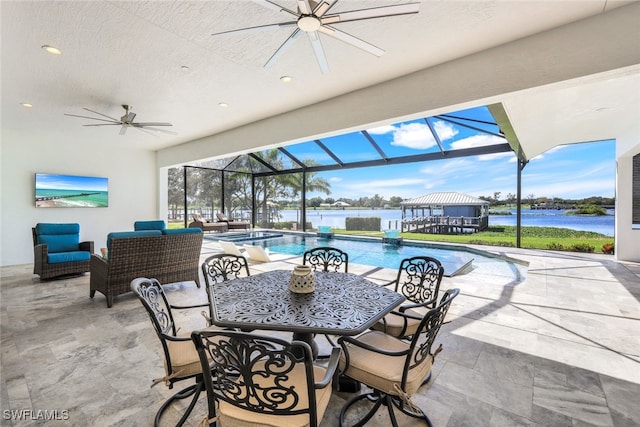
395,323
184,358
232,416
380,371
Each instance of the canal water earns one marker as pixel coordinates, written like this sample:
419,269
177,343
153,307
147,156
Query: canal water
390,219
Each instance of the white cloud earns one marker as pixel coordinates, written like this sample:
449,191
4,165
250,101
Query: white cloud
388,183
335,179
402,187
483,140
447,167
382,130
477,141
495,156
576,189
445,130
550,151
413,135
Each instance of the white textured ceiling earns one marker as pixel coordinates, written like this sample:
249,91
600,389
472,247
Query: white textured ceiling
131,52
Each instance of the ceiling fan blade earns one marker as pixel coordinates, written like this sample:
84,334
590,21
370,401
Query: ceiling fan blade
348,38
103,115
304,7
142,124
283,47
374,12
275,6
93,118
256,28
155,130
123,129
143,130
314,37
129,117
106,124
323,7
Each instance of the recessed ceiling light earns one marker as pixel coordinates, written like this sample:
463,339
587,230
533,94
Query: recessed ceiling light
51,49
184,68
26,105
223,105
286,79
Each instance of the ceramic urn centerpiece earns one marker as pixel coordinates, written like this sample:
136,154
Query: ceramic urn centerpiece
302,280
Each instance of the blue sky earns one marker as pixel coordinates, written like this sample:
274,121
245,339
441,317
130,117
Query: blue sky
572,171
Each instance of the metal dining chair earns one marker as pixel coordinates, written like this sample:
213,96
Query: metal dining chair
326,258
418,279
219,268
260,380
180,357
394,369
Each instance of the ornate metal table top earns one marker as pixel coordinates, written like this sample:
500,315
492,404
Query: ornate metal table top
342,304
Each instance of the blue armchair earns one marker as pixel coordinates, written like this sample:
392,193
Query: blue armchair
57,250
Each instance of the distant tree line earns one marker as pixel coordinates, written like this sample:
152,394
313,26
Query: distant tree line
532,199
365,202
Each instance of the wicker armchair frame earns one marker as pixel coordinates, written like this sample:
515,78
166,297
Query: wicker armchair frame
45,270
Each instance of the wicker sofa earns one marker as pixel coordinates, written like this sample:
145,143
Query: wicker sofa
167,255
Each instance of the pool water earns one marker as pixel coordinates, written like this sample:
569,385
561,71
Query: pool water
247,237
455,260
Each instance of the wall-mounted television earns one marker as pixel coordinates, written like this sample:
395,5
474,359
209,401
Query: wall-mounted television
70,191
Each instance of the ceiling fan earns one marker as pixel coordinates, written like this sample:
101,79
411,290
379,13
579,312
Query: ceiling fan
125,122
312,17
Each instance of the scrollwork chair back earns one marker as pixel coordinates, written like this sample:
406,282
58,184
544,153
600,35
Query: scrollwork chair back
419,280
326,258
219,268
262,380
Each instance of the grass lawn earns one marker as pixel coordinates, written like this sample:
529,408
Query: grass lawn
532,238
553,238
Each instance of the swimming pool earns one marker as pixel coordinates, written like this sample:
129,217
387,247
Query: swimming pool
371,251
247,237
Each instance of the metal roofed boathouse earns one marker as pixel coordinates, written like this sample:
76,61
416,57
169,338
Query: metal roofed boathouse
445,213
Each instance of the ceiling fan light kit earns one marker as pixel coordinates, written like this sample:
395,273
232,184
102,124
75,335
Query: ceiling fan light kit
312,18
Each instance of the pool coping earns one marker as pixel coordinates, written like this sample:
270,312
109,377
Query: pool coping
407,242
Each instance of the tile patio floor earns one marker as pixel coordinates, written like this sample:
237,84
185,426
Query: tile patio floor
559,347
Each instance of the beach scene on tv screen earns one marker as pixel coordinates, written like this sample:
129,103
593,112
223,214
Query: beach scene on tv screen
69,191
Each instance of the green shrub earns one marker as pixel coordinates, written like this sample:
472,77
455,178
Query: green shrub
589,210
576,247
487,243
286,225
555,246
608,248
582,247
363,223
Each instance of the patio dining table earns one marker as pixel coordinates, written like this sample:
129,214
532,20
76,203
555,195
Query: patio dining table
342,304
